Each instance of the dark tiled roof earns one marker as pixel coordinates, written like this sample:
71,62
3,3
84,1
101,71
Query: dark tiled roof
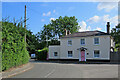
85,34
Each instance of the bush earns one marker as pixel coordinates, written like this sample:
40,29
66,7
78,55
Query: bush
14,52
42,54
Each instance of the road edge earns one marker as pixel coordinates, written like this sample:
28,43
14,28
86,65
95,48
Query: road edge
10,75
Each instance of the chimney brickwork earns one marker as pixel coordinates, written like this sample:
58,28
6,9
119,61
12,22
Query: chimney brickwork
108,27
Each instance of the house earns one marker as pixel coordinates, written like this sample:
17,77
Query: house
82,46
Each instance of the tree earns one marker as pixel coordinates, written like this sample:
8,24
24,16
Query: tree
56,29
115,32
32,41
59,25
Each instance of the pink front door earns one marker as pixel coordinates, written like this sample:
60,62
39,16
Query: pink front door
82,55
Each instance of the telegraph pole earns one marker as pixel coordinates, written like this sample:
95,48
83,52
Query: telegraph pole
25,26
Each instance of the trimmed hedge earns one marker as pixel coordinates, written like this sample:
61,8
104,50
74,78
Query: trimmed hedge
42,54
14,52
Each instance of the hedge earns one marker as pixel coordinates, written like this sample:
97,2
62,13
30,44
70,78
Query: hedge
42,54
14,52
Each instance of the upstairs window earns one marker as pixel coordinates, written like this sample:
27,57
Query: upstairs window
82,41
96,40
69,42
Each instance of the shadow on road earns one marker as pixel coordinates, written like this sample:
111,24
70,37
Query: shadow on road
71,62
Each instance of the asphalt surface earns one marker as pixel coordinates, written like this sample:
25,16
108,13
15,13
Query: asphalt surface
63,70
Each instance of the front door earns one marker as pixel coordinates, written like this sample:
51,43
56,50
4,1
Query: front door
82,55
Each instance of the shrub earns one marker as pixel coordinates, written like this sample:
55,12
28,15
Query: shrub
42,54
14,52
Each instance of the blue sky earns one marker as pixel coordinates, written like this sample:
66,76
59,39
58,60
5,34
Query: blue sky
90,15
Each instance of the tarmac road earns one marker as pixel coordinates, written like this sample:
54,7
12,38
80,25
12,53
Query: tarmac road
64,70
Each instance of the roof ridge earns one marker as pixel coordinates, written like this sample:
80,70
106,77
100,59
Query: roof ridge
89,31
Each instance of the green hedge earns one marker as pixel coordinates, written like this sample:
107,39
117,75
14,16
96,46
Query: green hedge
42,54
14,52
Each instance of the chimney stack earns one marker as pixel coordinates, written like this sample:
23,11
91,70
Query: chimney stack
108,27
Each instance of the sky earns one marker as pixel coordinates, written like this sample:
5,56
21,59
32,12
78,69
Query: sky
91,15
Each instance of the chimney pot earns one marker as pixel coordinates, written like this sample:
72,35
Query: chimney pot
108,27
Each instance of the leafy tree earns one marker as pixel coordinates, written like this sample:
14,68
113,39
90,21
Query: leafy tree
32,42
56,29
115,32
59,25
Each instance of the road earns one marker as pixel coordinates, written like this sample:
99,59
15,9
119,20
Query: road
62,70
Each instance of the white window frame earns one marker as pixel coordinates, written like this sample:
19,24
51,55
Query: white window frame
98,40
68,43
70,56
54,54
94,54
84,41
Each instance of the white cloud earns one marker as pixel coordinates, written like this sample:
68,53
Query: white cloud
112,20
44,14
54,11
103,19
52,19
106,18
42,20
107,6
47,14
94,19
98,28
83,26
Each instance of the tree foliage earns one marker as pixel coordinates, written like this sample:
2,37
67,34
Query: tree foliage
115,32
32,42
57,27
42,54
14,52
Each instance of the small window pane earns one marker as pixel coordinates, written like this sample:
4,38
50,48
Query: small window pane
82,41
96,40
70,54
69,42
55,54
96,53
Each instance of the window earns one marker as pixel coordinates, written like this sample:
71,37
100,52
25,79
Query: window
82,41
96,53
55,54
96,40
69,42
70,54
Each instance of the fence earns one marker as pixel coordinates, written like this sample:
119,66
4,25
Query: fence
115,57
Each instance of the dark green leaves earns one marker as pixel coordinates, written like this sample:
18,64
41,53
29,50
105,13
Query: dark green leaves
14,52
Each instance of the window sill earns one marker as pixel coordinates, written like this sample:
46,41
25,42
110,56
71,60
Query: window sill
82,44
96,44
55,56
96,57
70,57
69,45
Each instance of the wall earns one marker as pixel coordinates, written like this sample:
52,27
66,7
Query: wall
104,47
53,49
